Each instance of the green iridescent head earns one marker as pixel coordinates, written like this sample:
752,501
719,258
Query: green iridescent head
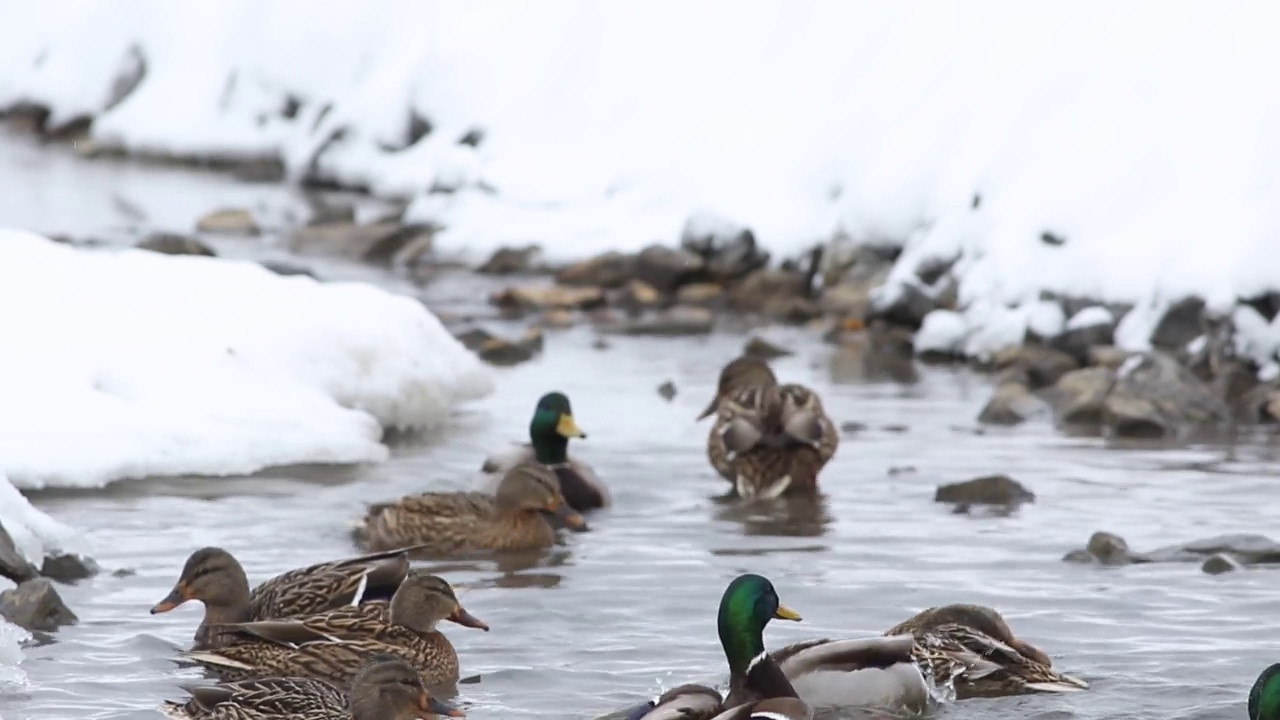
1264,698
551,427
748,604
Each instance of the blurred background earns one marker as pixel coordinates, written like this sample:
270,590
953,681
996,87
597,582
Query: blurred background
264,263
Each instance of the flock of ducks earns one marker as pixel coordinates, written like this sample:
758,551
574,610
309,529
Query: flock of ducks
360,638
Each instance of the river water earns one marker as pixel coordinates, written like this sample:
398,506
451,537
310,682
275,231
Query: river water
629,608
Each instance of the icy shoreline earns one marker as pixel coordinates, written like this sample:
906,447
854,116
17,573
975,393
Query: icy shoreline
132,364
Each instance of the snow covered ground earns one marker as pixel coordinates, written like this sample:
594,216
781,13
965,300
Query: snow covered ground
1140,136
130,364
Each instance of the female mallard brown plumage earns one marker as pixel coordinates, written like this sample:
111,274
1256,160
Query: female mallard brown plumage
768,439
213,576
1019,667
333,646
550,429
386,689
450,523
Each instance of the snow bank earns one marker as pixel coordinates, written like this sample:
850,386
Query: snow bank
11,637
1117,151
35,535
130,364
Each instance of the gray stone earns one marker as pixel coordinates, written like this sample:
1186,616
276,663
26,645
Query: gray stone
1012,404
286,268
1078,342
174,244
1041,366
68,568
511,260
12,564
666,269
1106,356
610,270
637,295
906,307
667,390
36,606
987,490
1159,398
544,297
1180,324
228,221
1109,549
500,351
1078,396
728,252
1220,563
383,242
764,287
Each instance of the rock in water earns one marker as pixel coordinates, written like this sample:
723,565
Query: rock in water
609,270
667,390
1078,396
174,244
1156,397
1041,366
545,297
228,221
1012,404
511,261
673,322
1220,563
36,606
1109,549
987,490
666,269
758,347
12,564
69,568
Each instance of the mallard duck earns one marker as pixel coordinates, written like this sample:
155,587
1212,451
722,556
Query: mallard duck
768,439
447,523
699,702
1264,696
942,633
386,688
549,432
213,576
333,646
868,672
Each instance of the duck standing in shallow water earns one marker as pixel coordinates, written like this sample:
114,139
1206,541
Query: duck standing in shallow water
1264,696
386,688
550,429
768,439
458,523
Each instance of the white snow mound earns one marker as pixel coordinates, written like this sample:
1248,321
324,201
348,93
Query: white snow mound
121,364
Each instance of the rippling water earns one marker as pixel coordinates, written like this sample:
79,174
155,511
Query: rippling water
627,609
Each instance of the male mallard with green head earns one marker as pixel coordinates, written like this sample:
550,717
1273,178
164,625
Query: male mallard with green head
1016,667
214,576
768,439
550,429
386,689
1264,696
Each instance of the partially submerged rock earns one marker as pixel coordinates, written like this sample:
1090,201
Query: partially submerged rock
381,242
1012,404
174,244
1221,552
728,251
500,351
703,294
228,221
666,269
1078,397
1220,563
511,261
1040,366
36,606
986,490
68,568
545,297
638,295
905,304
1156,397
12,564
609,270
1103,548
667,390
